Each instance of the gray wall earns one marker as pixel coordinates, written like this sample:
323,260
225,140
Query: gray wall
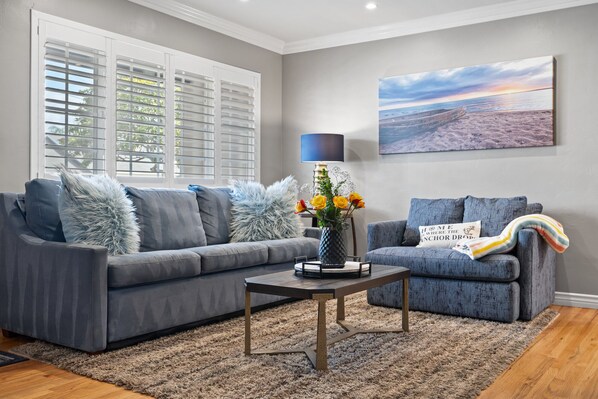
335,90
129,19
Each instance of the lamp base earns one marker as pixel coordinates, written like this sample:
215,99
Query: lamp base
318,172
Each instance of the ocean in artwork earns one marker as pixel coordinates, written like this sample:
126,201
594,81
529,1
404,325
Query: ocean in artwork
500,105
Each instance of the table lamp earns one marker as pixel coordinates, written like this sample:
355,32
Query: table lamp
322,148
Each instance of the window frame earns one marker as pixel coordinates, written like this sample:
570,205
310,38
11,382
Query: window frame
44,26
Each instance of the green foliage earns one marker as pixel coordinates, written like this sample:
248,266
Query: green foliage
82,136
330,216
138,135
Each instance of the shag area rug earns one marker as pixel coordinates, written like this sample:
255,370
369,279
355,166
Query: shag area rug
441,356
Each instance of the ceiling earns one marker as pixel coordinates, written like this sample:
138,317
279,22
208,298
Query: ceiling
293,20
288,26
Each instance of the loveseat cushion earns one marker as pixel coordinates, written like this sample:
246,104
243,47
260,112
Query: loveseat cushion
42,216
215,209
236,255
152,267
536,207
446,263
495,213
168,219
427,212
287,249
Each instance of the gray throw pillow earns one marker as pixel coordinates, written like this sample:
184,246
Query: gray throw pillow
260,213
495,213
427,212
95,210
42,216
168,219
215,210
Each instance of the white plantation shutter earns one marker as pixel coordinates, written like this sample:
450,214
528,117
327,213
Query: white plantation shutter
194,126
103,103
237,131
140,118
74,90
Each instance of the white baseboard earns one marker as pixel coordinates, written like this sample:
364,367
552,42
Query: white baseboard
576,300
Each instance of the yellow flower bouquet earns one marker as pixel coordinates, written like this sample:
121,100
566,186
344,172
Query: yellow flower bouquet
332,210
328,206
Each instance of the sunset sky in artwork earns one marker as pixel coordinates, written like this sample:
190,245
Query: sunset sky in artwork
466,83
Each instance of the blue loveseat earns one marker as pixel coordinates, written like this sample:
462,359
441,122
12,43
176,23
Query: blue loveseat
504,287
78,296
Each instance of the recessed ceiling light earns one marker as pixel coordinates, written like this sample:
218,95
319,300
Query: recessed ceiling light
371,5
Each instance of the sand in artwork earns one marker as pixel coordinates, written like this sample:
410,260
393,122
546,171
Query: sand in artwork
502,105
479,130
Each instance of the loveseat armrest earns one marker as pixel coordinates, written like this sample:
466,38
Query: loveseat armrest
53,291
385,234
312,232
537,276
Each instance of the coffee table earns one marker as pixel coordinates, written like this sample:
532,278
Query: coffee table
322,290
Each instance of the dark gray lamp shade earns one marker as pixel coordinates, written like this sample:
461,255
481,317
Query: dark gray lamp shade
322,147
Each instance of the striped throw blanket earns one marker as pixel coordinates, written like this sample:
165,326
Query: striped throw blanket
550,229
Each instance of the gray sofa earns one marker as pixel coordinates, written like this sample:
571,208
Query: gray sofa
80,297
502,287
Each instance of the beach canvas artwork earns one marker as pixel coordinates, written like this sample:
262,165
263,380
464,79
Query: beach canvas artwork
501,105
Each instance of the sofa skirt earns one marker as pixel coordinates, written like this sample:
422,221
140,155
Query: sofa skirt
136,311
478,299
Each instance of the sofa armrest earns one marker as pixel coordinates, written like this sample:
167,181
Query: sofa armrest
312,232
537,276
52,291
385,234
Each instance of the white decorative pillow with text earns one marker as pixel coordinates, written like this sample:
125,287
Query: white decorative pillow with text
447,235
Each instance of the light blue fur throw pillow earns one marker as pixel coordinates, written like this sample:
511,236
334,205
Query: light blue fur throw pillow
260,213
95,210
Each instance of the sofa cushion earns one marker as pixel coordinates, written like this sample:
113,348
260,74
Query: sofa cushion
495,213
427,212
446,263
168,219
287,249
41,199
21,203
237,255
152,267
215,209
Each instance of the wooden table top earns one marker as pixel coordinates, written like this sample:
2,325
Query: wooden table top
290,285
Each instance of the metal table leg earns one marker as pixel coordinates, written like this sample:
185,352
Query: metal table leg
405,317
340,308
321,346
318,355
247,322
354,236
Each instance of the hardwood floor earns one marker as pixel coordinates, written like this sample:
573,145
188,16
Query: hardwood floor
561,363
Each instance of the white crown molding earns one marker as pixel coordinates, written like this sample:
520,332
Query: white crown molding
444,21
576,300
212,22
511,9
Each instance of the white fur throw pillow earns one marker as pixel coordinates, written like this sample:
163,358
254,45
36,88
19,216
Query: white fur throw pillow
447,235
260,213
95,210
